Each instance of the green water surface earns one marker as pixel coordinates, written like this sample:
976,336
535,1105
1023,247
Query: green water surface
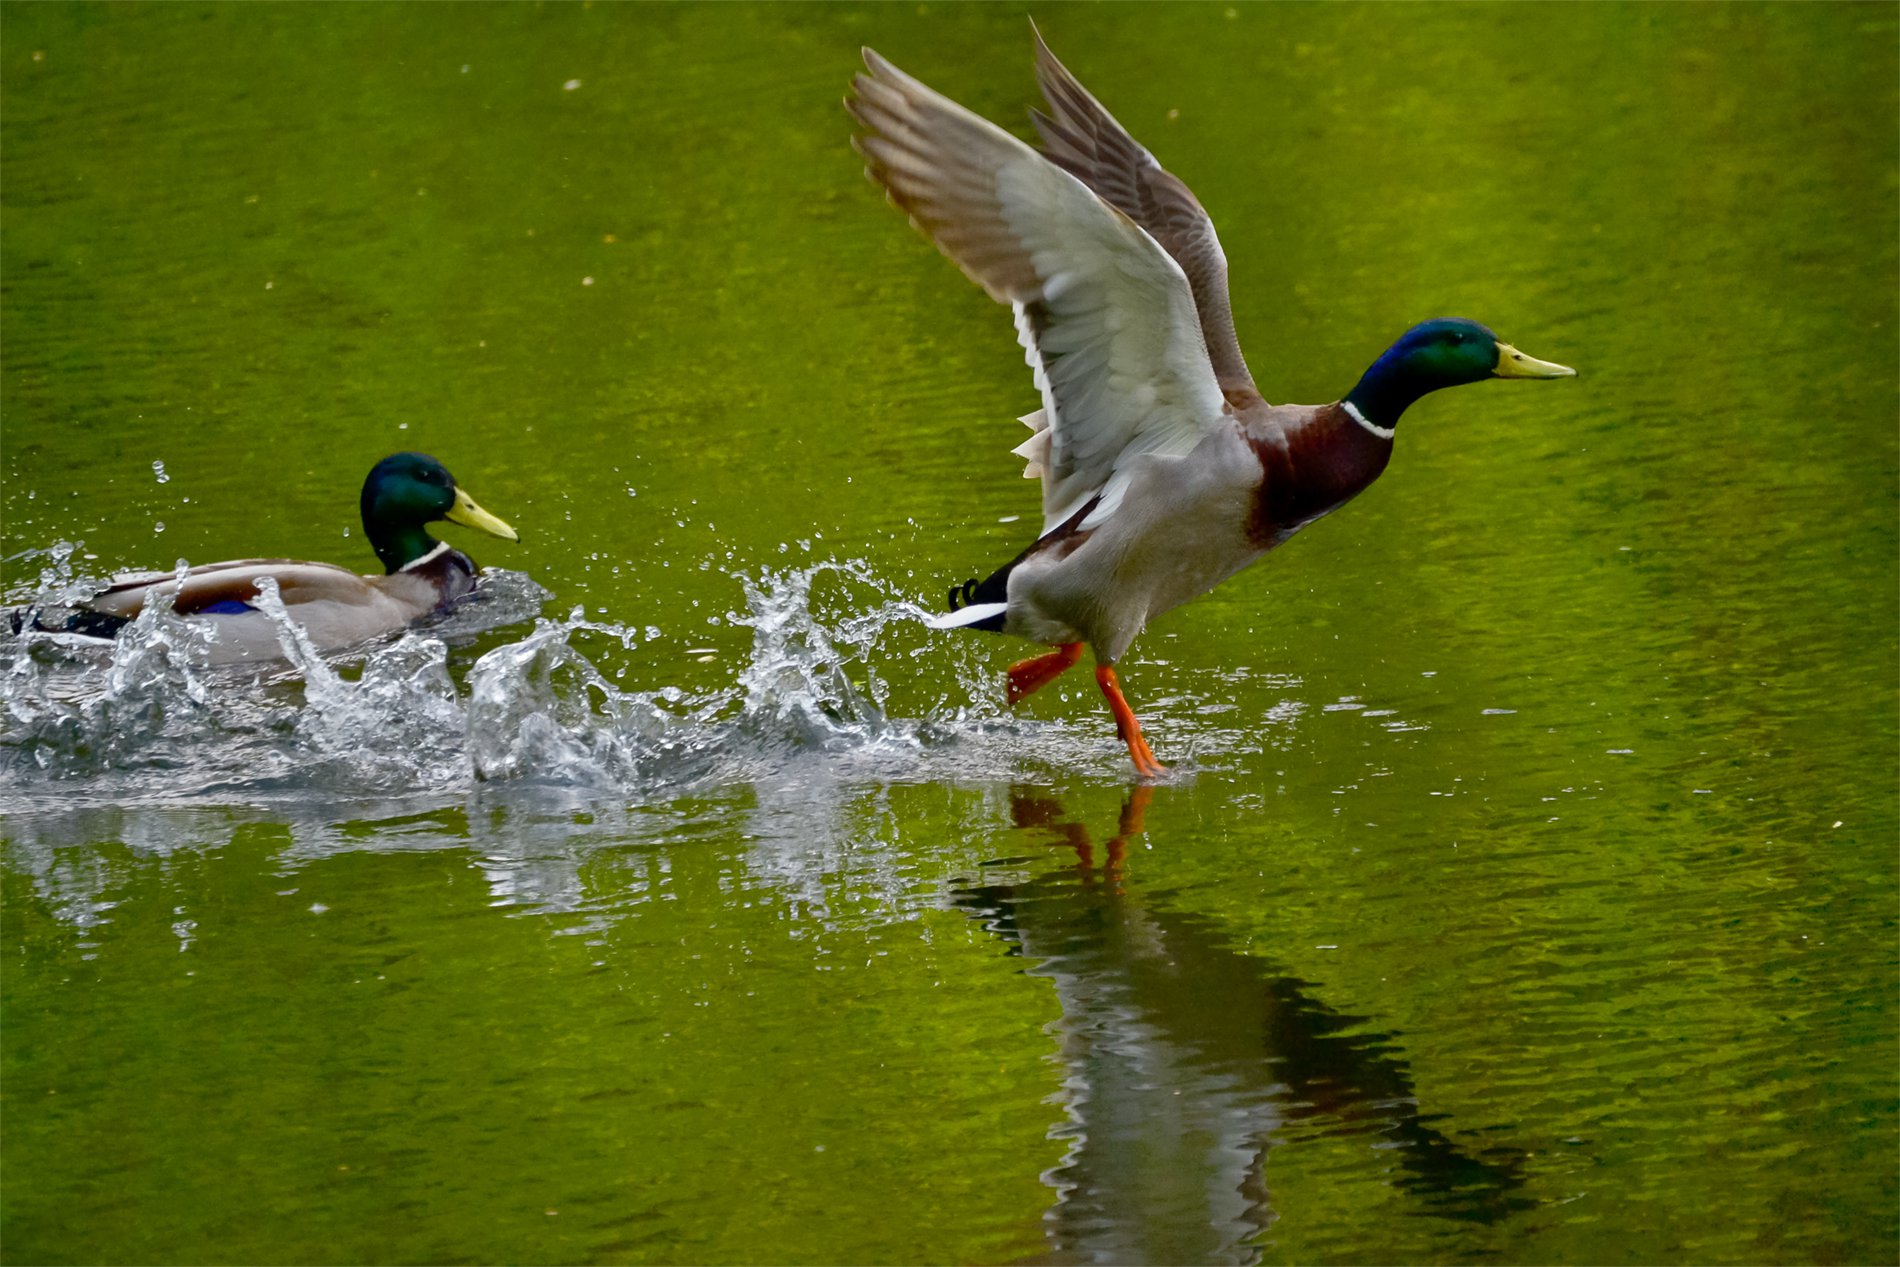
1526,889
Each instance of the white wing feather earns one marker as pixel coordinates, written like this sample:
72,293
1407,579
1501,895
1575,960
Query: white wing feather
1105,315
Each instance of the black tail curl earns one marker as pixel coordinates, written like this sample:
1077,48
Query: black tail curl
992,589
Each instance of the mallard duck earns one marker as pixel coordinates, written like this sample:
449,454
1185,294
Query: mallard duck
1164,471
334,606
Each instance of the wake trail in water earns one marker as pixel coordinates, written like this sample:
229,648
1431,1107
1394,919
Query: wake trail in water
149,718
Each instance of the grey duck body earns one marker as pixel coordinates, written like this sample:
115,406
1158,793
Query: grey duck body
1186,524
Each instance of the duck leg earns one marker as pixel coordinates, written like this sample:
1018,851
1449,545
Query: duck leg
1125,724
1026,677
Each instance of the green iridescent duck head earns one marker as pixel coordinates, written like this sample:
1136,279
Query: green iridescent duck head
1445,352
404,493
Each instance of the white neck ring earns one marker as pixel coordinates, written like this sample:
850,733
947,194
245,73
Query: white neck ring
413,564
1352,411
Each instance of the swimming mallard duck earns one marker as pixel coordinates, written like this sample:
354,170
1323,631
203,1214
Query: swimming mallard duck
337,608
1164,471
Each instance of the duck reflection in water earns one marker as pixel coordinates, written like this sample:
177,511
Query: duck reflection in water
1185,1061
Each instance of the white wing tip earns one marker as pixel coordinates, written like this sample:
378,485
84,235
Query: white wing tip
1034,452
967,616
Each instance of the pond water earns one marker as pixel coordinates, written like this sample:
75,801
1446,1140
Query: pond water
1525,884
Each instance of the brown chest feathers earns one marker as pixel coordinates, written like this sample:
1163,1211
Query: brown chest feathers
1308,468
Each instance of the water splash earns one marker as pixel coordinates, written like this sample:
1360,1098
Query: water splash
835,689
539,709
152,716
815,694
525,747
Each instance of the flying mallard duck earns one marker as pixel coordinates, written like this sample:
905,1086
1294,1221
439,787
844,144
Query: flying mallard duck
1164,471
404,493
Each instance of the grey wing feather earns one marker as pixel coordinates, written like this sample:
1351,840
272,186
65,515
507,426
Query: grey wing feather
1080,136
1105,315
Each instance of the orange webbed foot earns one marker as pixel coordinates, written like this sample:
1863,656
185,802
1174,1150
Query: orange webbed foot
1126,725
1026,677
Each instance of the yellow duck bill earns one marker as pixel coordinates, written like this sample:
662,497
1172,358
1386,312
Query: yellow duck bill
1514,364
470,515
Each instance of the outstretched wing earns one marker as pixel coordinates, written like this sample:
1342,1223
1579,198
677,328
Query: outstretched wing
1106,316
1083,138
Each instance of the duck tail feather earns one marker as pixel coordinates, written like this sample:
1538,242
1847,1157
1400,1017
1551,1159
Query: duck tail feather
976,616
979,604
